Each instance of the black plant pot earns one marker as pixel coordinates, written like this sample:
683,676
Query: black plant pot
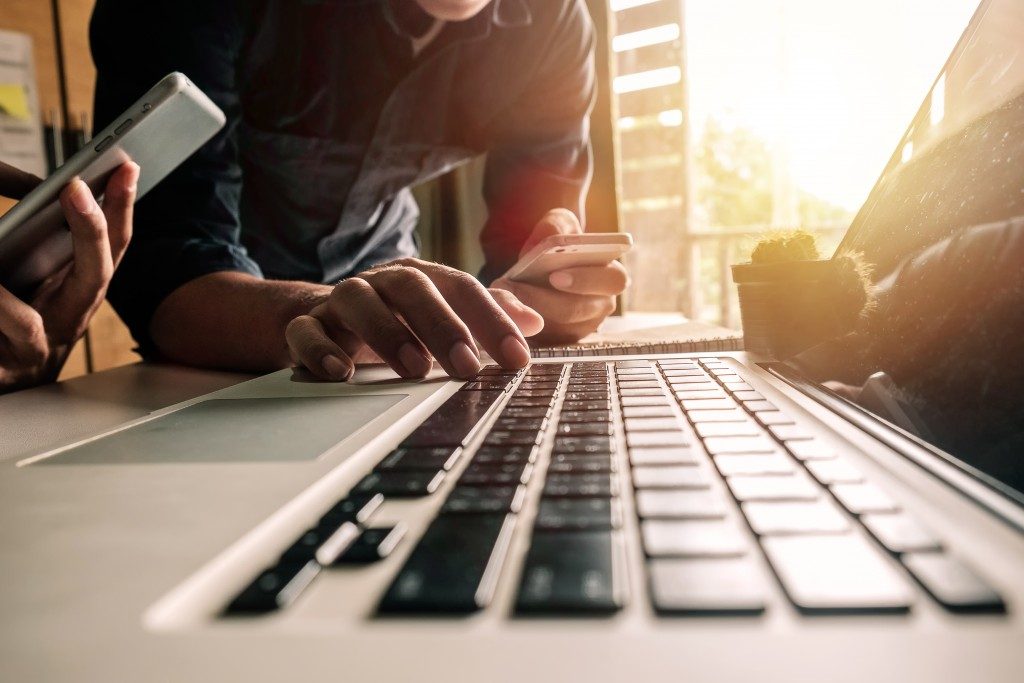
791,306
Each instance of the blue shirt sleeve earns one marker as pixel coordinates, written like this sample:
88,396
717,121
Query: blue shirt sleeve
188,225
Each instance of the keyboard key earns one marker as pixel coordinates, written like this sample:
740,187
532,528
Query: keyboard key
506,438
860,499
694,384
590,395
636,412
634,372
275,588
586,429
578,514
746,428
545,369
634,393
743,391
520,424
729,380
734,415
900,533
455,566
572,416
583,406
746,488
952,583
514,412
400,484
697,394
706,586
790,432
654,439
694,538
829,472
739,444
482,500
579,486
355,508
562,463
482,474
504,455
416,459
818,517
639,384
308,545
773,417
572,573
632,364
455,421
652,424
759,406
811,450
755,465
658,400
682,373
709,404
679,504
677,455
584,444
672,477
841,573
373,545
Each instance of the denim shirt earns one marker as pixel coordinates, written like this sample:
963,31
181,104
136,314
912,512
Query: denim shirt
330,121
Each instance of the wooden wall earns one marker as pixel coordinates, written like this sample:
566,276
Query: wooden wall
110,344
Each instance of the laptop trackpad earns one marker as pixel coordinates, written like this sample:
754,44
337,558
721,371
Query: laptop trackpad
236,430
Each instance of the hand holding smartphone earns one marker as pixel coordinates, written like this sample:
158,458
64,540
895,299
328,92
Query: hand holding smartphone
558,252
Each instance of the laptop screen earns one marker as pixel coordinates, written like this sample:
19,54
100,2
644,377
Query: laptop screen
940,350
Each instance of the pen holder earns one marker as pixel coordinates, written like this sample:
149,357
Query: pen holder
789,306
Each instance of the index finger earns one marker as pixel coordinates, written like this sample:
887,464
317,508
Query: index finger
486,320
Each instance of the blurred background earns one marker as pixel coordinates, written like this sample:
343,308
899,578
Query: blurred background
716,121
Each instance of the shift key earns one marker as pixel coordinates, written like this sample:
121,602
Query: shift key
572,573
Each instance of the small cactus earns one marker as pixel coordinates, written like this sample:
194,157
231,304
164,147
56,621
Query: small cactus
797,245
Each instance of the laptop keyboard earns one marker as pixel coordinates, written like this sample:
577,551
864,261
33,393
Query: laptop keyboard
717,476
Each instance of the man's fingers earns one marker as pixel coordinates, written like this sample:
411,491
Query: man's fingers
529,321
23,328
560,307
312,347
355,305
554,222
15,183
118,207
486,320
414,296
93,264
609,280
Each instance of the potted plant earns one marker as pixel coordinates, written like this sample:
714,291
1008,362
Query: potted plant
790,299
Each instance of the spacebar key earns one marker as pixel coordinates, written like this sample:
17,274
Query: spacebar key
454,568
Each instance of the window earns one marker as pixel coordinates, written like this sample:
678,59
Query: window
737,117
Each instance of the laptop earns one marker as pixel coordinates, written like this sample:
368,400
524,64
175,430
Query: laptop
856,513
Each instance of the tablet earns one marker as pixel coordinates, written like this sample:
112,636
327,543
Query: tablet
162,129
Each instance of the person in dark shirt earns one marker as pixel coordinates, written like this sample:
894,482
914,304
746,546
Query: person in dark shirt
335,108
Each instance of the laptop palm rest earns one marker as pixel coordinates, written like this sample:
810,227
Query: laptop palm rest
236,430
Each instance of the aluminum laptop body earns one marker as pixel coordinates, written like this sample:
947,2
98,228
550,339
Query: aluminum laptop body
854,513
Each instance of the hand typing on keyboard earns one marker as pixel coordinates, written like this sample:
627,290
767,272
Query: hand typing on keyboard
407,313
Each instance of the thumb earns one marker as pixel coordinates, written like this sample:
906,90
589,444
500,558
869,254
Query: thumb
554,222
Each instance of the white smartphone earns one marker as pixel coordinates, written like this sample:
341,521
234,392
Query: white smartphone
558,252
162,129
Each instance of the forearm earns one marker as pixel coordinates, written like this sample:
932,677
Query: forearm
232,320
